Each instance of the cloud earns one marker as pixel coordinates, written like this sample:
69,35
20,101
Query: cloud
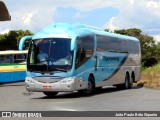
28,15
33,15
27,19
157,37
143,14
111,24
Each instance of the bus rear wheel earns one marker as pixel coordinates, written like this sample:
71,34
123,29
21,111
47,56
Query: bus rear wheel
50,94
131,81
91,87
126,84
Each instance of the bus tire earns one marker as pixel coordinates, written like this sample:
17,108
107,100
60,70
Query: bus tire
126,84
91,87
50,94
98,88
132,79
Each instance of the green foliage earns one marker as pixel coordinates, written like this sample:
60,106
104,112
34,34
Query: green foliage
107,30
10,40
150,50
150,61
130,32
150,77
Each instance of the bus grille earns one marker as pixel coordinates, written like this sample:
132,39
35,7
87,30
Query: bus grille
47,79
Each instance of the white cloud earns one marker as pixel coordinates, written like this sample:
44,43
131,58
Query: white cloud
157,37
28,15
143,14
4,31
111,24
33,15
28,18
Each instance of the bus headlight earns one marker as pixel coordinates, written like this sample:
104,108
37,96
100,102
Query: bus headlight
29,80
68,80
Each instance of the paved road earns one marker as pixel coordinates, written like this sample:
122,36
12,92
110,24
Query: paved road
107,99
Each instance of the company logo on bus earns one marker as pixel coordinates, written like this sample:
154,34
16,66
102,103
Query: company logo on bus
110,58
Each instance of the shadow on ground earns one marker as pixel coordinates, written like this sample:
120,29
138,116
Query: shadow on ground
68,95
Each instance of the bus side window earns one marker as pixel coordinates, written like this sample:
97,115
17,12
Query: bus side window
19,58
11,58
85,48
0,59
80,54
5,59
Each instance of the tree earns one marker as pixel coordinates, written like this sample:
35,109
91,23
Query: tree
130,32
10,40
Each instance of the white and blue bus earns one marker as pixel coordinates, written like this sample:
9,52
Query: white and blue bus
74,57
12,66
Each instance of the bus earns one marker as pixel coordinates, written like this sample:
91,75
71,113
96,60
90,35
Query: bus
12,66
75,57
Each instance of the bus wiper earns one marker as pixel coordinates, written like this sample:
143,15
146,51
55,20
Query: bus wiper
57,69
43,62
31,70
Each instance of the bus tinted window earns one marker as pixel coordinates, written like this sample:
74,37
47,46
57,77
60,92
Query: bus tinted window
6,59
129,46
124,46
19,58
136,48
105,43
85,47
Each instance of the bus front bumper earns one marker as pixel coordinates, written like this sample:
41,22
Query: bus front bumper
64,85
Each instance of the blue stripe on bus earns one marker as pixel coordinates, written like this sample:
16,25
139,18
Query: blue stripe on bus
7,77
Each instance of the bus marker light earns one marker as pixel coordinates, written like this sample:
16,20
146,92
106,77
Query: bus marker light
47,87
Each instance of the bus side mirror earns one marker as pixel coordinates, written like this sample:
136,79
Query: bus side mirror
23,40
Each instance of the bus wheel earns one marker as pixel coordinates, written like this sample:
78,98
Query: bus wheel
1,84
98,88
126,84
131,81
50,94
91,87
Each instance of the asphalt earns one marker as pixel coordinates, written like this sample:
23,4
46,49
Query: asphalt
13,97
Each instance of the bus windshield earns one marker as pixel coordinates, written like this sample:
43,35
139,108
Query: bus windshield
50,54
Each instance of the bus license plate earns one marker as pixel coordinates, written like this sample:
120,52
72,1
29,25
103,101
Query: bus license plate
47,87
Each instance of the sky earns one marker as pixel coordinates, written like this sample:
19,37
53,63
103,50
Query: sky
34,15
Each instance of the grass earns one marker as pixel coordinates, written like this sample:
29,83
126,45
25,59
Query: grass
150,77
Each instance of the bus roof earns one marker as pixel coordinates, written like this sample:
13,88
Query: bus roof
13,52
65,30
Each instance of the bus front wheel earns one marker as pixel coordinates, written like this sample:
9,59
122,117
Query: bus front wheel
50,94
91,87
